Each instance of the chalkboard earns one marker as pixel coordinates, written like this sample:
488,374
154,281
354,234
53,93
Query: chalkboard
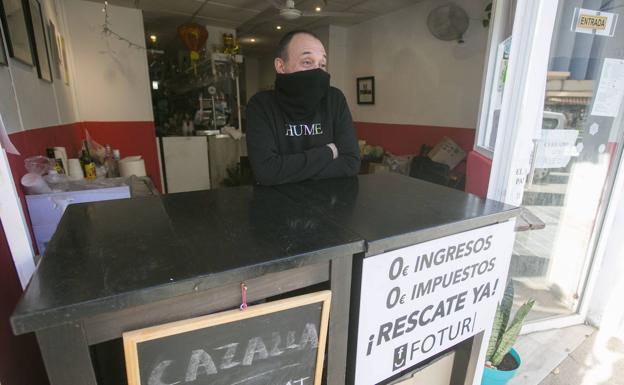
276,343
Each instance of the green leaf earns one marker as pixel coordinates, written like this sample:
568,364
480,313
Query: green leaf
501,319
488,7
511,334
497,326
507,302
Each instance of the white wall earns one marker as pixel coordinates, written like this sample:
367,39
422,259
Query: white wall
266,72
111,78
28,102
251,76
107,82
337,53
259,74
8,103
418,78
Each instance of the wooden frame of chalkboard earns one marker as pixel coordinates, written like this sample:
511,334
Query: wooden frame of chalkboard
280,339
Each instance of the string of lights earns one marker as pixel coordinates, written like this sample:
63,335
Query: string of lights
108,32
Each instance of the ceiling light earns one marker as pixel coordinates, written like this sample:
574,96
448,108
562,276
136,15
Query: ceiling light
317,9
279,27
153,38
252,40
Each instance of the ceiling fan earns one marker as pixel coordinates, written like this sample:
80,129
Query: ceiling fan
288,11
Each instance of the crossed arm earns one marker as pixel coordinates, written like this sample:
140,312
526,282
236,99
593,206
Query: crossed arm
270,167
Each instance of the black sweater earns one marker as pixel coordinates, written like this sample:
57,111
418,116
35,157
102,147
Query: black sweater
283,149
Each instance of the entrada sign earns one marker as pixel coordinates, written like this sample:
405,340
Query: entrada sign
594,22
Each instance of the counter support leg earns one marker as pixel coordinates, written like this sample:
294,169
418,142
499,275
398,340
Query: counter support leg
66,355
466,359
340,282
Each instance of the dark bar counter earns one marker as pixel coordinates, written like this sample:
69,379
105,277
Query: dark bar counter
392,212
122,265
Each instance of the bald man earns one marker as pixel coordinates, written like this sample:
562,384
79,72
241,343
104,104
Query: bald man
302,129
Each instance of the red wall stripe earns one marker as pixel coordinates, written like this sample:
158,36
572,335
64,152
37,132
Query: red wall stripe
478,168
132,138
406,139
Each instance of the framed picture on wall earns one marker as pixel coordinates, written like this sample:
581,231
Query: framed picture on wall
54,51
63,57
366,90
40,46
16,30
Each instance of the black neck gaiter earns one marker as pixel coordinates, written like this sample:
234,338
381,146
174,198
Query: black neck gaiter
300,93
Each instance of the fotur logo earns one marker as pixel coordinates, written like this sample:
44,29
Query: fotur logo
400,357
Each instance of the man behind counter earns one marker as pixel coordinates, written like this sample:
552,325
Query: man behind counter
303,129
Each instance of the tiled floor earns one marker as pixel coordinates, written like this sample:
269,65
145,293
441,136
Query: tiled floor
542,352
599,360
577,355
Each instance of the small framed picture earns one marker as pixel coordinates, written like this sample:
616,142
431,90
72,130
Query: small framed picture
63,57
40,46
366,90
54,51
15,28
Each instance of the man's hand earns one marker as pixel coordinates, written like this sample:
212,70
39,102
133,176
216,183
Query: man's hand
334,149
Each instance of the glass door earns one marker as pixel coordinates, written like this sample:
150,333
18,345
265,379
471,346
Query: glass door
575,155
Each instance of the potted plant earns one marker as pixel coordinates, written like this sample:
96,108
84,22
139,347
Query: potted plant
502,361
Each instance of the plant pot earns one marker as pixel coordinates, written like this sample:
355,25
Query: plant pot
493,376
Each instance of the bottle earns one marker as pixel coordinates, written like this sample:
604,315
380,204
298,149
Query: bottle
116,157
58,163
111,164
88,165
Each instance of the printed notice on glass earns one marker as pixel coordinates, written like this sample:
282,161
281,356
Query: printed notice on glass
610,89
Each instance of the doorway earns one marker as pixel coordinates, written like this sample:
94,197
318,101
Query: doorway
570,156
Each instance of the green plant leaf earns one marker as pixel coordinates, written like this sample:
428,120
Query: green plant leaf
511,334
507,303
503,310
497,326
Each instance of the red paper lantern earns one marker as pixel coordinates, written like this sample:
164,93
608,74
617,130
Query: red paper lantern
194,37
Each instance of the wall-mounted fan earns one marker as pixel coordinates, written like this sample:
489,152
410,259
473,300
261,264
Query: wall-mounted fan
288,11
448,22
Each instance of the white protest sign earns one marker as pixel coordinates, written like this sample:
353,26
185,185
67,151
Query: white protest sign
555,148
420,300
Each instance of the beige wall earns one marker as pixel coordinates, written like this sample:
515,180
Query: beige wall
108,81
418,78
28,102
111,79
